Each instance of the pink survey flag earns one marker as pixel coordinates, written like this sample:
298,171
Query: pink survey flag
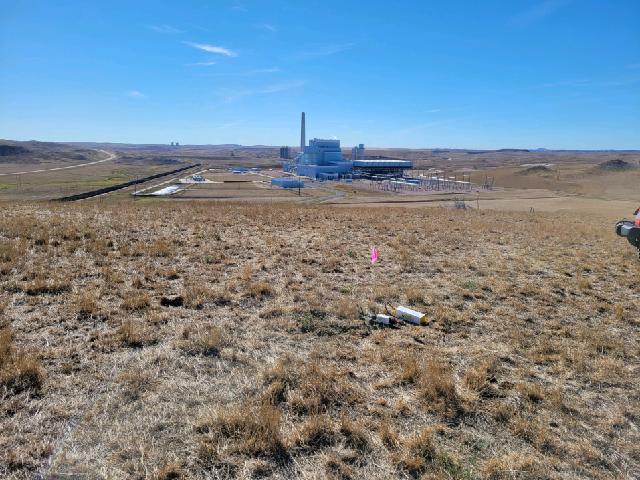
374,254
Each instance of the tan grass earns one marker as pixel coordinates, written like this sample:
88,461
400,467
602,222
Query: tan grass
243,380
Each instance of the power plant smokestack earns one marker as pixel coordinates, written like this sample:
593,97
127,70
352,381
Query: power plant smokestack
303,139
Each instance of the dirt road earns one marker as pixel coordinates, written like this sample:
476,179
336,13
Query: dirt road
110,156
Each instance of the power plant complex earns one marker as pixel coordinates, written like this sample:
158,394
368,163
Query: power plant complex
323,160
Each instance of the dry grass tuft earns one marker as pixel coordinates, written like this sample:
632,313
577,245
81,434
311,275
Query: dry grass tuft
160,248
260,290
206,340
41,285
196,295
504,467
136,301
337,469
389,435
346,308
320,388
437,388
317,432
19,371
478,377
86,306
416,454
247,429
434,382
135,384
135,334
355,434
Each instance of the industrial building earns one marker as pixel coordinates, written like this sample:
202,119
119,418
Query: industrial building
323,160
357,152
285,153
372,167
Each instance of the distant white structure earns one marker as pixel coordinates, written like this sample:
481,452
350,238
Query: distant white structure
357,153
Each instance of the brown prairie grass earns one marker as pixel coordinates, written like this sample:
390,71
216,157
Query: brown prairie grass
434,382
260,289
135,333
136,300
502,467
347,308
135,383
208,340
41,285
86,305
195,296
416,454
317,432
246,429
321,388
355,433
19,371
516,360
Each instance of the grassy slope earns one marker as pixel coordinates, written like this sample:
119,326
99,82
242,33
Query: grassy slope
528,368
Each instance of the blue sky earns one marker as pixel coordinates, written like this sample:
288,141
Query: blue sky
466,74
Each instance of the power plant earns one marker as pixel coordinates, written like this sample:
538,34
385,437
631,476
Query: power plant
322,159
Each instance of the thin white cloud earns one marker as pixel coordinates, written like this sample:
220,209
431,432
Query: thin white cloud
633,65
166,29
323,50
270,27
200,64
135,94
212,49
538,12
230,95
259,71
247,73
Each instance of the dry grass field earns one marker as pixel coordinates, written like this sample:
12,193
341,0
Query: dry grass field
189,340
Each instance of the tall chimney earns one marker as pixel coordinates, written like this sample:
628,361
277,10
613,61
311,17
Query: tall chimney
303,140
